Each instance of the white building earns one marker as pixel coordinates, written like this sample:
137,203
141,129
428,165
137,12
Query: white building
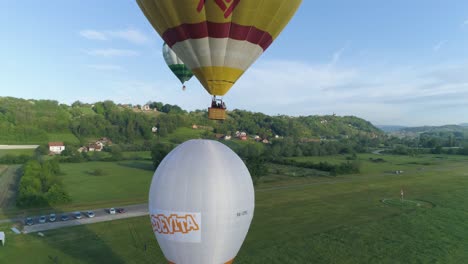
56,147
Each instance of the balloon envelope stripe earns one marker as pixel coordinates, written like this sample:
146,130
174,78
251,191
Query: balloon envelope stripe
218,30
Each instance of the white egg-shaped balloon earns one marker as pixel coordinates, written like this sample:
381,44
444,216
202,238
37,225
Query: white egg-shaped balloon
201,203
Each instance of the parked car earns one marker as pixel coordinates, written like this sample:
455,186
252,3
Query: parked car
52,217
112,211
42,219
77,215
120,210
90,214
64,217
29,221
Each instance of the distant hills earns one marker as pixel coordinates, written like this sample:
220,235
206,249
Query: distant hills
390,128
402,131
40,121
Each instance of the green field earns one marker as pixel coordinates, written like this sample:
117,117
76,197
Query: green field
68,138
4,152
122,182
182,134
299,219
137,155
9,179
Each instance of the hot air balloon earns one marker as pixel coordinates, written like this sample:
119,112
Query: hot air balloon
176,65
218,39
201,210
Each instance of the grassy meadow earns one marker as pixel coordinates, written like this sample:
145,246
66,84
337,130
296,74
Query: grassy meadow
121,183
16,152
68,138
125,181
300,217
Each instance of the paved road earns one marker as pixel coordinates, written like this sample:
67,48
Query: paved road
101,215
18,146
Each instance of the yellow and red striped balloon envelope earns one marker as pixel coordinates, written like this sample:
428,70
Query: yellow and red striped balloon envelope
219,39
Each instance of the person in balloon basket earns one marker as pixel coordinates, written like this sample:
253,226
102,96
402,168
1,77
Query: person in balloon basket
217,104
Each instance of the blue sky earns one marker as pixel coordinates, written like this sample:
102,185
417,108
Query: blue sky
390,62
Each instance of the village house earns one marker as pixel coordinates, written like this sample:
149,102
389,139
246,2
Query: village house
95,146
83,149
145,107
56,147
243,136
265,141
219,136
105,141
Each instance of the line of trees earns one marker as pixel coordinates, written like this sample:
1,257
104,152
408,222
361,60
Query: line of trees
41,185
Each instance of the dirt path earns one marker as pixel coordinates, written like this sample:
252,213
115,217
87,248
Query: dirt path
9,180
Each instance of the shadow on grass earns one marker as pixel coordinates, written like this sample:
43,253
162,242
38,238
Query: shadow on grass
143,165
73,244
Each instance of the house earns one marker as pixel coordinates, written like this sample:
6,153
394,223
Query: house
219,136
97,146
257,138
265,141
56,147
83,149
154,129
227,138
105,141
241,135
194,126
145,108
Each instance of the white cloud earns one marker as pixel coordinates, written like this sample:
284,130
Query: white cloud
398,95
130,35
93,34
439,45
336,57
112,53
105,67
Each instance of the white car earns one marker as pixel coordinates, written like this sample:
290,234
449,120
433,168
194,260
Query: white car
112,211
42,219
77,215
52,217
90,214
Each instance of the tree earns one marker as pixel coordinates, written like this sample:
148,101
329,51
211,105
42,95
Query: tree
159,152
257,168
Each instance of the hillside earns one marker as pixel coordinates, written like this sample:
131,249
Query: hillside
431,130
390,128
40,121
